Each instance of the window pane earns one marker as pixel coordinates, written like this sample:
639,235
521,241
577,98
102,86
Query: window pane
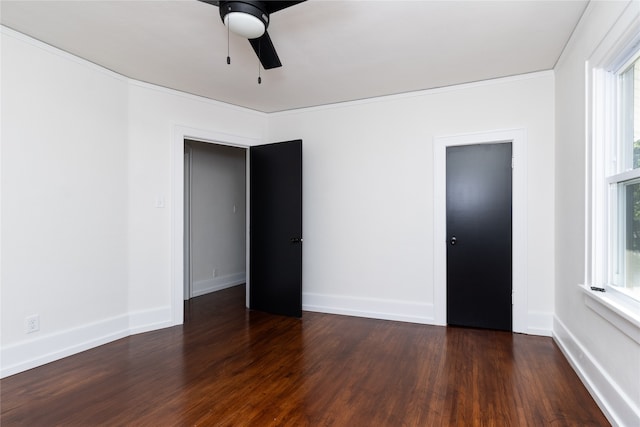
630,234
630,117
636,114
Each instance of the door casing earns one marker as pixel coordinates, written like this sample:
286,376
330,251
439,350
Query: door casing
188,268
177,207
517,137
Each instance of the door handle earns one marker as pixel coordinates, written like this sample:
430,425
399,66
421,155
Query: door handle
296,240
453,241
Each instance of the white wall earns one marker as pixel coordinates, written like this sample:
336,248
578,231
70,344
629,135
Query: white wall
606,358
218,213
86,158
64,196
368,193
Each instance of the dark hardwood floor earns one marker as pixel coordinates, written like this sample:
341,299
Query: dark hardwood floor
231,367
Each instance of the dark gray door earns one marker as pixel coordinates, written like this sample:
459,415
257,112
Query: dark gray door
275,214
479,255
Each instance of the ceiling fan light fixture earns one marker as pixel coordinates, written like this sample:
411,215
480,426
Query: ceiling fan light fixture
248,19
245,25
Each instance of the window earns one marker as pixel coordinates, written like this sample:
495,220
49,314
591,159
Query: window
613,177
623,180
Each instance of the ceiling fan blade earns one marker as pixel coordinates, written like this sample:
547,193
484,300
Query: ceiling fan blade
274,6
266,52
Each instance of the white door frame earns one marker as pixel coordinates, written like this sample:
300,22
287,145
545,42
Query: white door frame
518,139
187,265
180,133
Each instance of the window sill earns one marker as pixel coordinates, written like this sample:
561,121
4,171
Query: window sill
624,316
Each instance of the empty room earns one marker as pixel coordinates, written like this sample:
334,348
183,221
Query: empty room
320,213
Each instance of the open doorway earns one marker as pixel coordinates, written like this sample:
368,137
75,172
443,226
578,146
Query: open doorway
214,217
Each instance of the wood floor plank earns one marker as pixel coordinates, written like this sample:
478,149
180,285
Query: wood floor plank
227,366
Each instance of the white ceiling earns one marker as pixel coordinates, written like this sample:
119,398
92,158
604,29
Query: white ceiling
331,51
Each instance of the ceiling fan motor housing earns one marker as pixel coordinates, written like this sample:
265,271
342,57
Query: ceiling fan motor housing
257,9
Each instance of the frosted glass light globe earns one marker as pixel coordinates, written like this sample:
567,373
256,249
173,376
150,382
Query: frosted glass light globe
245,25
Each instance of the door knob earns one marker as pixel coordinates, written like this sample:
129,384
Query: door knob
296,240
453,240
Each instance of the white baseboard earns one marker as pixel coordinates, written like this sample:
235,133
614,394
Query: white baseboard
149,320
202,287
403,311
540,323
36,352
30,354
616,405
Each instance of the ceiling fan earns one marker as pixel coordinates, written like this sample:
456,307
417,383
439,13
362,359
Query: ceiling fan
250,19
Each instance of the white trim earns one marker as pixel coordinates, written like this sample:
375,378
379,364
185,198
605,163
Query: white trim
149,320
180,133
601,80
612,52
572,41
247,279
617,311
623,176
518,138
373,308
196,98
383,98
26,355
8,32
413,94
540,323
202,287
617,406
188,249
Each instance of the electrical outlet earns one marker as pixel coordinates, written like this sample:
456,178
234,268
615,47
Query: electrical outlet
215,273
33,323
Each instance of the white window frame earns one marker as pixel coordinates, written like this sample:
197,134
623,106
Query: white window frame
612,56
616,152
